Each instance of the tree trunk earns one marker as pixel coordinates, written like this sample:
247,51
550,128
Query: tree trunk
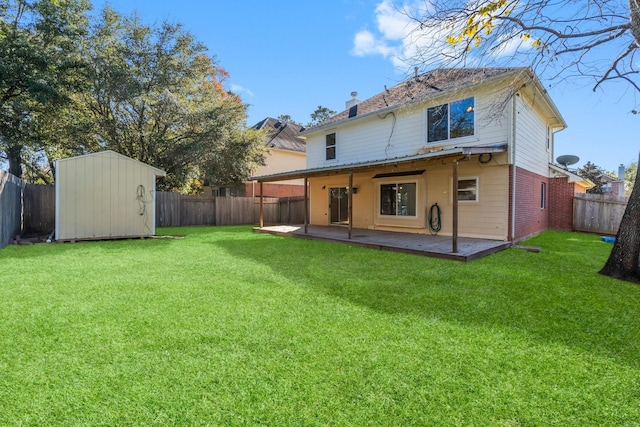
634,20
14,155
624,261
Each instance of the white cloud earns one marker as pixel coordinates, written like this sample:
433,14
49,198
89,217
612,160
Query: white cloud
391,27
396,37
365,43
399,38
239,90
392,23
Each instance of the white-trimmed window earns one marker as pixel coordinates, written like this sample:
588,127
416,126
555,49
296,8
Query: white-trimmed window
548,138
452,120
399,199
330,147
468,189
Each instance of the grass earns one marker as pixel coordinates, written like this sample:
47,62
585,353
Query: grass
231,328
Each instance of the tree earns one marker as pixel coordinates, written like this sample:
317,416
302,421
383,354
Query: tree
559,39
630,177
593,173
623,263
39,63
285,118
155,96
320,115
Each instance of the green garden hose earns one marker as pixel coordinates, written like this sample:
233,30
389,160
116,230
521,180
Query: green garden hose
435,224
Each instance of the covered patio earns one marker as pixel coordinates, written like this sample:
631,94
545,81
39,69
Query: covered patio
441,246
435,246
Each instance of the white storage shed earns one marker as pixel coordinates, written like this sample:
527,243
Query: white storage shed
105,195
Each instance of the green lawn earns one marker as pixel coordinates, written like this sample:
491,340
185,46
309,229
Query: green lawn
227,327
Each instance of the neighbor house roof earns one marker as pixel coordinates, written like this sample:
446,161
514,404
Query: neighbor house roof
282,135
435,83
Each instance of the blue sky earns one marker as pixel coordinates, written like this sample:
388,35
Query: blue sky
289,57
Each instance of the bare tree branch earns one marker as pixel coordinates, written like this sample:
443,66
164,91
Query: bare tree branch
614,68
554,37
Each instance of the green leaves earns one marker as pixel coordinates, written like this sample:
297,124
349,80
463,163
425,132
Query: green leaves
40,64
68,86
156,96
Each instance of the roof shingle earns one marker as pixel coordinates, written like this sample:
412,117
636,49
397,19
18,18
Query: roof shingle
418,88
284,136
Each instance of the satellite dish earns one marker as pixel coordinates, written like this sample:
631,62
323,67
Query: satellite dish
567,159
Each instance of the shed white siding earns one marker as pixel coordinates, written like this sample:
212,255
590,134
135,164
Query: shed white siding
104,195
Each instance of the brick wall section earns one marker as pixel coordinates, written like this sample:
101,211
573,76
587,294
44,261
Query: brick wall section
530,219
561,203
509,207
274,190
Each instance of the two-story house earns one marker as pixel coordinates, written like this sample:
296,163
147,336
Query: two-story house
464,152
285,152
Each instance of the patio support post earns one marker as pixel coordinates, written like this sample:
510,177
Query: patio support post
306,205
350,203
454,234
261,207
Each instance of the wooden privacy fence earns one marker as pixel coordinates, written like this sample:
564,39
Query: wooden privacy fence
11,189
174,210
39,209
598,213
29,209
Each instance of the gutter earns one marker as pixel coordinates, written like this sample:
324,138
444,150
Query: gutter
454,151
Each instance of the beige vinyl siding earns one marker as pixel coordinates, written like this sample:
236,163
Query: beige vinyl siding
492,118
531,138
377,137
319,198
487,218
278,161
96,197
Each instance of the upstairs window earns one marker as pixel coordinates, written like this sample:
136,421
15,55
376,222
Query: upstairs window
452,120
330,149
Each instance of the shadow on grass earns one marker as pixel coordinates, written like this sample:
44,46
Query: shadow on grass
83,247
555,296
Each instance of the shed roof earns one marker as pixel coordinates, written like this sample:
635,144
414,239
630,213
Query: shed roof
283,135
111,153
